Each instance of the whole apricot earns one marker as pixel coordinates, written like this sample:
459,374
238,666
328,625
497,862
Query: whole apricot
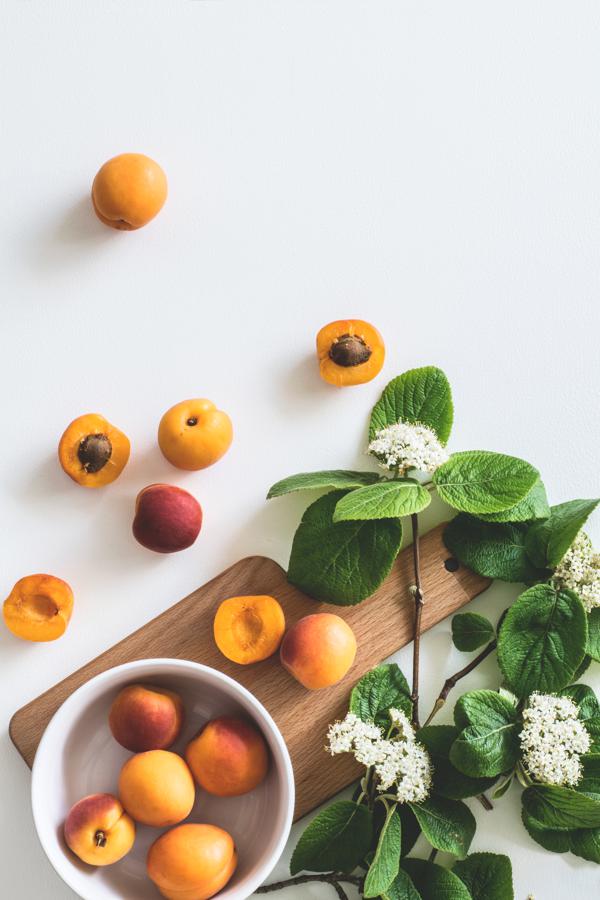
157,788
128,191
229,757
249,629
143,717
39,608
192,862
350,351
99,831
194,434
318,650
167,518
92,451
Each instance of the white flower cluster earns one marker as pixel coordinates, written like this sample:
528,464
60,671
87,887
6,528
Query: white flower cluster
552,740
399,761
403,446
579,570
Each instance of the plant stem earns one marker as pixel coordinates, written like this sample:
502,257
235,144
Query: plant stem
333,878
453,679
487,804
432,855
418,595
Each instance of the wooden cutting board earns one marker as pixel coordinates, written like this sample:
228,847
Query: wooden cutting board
382,625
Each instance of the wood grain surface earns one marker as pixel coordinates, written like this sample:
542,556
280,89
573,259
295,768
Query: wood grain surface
382,625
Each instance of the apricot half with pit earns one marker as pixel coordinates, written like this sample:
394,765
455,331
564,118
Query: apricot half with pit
229,757
39,608
194,434
192,862
92,451
350,351
128,191
99,831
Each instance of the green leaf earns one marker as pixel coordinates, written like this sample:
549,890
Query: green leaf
488,876
586,843
341,562
479,481
447,780
448,825
593,644
385,500
488,744
470,631
386,862
560,807
589,711
556,841
401,888
542,640
316,481
435,883
583,667
590,781
411,830
418,396
534,505
336,840
548,541
378,691
491,550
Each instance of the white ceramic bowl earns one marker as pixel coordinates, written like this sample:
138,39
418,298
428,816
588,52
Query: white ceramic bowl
78,756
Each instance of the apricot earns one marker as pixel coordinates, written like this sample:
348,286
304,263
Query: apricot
143,717
319,650
128,191
99,831
192,862
39,608
157,788
229,757
167,518
92,451
249,629
194,434
350,351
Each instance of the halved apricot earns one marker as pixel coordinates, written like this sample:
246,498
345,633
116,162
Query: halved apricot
350,351
39,608
249,629
92,451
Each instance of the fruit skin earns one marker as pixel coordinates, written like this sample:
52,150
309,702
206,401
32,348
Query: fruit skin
99,831
128,191
143,717
167,518
229,757
39,608
249,629
156,788
194,434
365,342
319,650
192,862
71,451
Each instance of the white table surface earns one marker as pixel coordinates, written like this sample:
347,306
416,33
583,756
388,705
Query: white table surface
430,166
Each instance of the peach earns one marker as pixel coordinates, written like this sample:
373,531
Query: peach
144,717
39,608
99,831
167,518
229,757
157,788
318,650
192,862
128,191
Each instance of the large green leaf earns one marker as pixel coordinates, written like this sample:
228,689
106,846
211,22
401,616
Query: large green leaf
542,640
386,862
490,549
479,481
316,481
341,562
589,711
448,825
533,506
590,780
418,396
336,839
401,888
378,691
593,645
447,780
435,883
558,807
385,500
548,541
488,743
585,842
470,631
411,830
488,876
555,840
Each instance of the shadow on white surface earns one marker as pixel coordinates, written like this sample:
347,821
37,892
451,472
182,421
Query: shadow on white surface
61,242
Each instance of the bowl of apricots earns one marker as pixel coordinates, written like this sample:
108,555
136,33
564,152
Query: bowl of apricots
162,777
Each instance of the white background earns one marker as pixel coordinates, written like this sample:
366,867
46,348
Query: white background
430,166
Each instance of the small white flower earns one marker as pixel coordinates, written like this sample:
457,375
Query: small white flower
403,446
553,739
579,570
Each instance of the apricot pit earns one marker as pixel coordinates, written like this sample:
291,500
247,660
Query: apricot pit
92,451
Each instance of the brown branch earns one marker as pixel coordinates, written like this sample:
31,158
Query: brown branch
453,679
418,594
332,878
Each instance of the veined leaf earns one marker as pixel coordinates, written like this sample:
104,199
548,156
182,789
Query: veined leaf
470,631
488,744
447,780
419,396
479,481
448,825
386,862
557,807
378,691
313,481
435,883
589,711
593,644
401,888
385,500
488,876
533,506
490,549
556,841
548,541
336,839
